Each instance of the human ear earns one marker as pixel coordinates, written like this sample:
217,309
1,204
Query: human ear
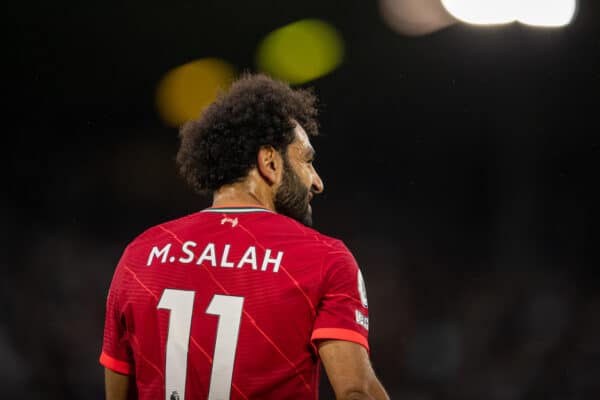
269,164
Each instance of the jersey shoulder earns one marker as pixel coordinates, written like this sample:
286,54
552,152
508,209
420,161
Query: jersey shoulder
319,243
167,230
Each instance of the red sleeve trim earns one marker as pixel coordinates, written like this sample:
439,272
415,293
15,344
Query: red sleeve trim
340,334
121,367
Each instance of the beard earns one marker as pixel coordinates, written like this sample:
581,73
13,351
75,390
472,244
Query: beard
291,198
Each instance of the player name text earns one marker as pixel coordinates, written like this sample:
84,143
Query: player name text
216,256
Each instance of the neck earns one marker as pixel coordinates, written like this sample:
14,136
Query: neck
245,193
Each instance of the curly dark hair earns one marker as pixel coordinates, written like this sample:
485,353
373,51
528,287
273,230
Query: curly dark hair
221,146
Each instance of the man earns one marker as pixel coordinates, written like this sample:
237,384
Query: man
241,300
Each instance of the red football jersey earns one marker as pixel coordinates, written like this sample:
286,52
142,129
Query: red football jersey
228,303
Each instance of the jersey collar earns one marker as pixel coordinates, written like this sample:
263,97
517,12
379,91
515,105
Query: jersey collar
239,209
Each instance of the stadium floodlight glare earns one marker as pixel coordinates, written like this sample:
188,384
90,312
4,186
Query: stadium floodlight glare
547,13
482,12
542,13
185,91
301,51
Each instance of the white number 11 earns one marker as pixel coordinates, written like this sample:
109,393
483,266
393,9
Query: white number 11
181,304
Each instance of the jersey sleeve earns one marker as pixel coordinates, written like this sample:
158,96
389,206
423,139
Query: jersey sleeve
116,350
342,313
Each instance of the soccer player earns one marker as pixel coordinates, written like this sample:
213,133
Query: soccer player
241,300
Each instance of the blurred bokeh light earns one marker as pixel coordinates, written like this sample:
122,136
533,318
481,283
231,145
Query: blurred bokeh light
482,12
415,17
547,13
300,52
186,90
542,13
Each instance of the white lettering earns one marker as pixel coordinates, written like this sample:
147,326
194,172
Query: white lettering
224,262
156,253
249,257
188,252
209,255
224,258
362,290
275,261
362,319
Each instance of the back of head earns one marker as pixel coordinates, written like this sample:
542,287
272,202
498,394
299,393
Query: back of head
221,146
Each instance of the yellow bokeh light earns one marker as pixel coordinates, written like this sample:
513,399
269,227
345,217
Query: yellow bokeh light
301,51
185,91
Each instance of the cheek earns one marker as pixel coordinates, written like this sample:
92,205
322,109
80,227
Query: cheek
306,177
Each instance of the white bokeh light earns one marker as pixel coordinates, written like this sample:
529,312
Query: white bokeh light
548,13
482,12
543,13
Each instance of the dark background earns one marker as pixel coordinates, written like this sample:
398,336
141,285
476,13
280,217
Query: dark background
459,168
